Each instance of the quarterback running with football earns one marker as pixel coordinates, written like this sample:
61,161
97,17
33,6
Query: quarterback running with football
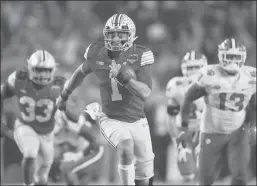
36,88
175,92
229,89
124,72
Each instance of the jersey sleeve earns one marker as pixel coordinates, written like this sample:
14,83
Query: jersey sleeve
8,88
145,71
147,58
85,68
204,77
11,81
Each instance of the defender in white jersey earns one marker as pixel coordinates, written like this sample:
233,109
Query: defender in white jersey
229,90
175,92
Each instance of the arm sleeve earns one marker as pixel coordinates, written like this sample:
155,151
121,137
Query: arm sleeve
145,72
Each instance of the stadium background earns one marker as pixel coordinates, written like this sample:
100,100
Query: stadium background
169,28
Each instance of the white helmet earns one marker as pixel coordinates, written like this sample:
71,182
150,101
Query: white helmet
41,66
192,62
120,24
232,55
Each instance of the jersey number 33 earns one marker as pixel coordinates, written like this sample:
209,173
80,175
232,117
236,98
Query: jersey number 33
30,107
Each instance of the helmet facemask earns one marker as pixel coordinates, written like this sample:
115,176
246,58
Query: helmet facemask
232,61
120,36
42,76
192,67
42,67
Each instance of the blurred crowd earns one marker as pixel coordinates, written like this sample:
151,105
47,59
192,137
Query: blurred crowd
169,28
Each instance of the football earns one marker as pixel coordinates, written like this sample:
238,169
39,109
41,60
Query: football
131,72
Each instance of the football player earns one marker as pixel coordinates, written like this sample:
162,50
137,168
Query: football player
124,71
228,89
77,146
36,88
175,92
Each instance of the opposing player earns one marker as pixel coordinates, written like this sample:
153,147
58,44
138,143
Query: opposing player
77,147
228,89
175,92
124,71
36,88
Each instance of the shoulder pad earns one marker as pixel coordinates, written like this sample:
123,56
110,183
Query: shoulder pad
22,73
59,80
92,50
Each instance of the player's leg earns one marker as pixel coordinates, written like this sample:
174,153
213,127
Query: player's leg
28,142
84,166
238,156
119,136
46,153
211,150
144,156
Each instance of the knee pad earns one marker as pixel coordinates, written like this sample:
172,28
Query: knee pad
144,170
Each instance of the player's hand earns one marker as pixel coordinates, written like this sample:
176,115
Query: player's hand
60,103
6,132
182,153
122,73
94,111
182,137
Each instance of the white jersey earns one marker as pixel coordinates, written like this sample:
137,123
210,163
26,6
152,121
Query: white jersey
227,98
175,91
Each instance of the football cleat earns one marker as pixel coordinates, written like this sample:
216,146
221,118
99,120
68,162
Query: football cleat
192,62
41,67
232,55
119,33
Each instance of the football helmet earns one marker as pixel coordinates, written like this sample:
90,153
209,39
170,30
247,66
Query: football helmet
119,33
232,55
192,62
41,66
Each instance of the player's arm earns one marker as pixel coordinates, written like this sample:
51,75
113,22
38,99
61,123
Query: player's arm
7,91
173,106
194,92
251,111
142,87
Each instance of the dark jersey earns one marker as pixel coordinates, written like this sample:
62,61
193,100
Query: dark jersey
117,102
37,106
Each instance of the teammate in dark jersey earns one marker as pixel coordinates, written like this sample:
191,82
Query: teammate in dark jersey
36,88
124,72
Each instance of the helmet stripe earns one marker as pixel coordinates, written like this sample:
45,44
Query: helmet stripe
116,20
41,55
113,18
119,19
233,43
45,55
193,55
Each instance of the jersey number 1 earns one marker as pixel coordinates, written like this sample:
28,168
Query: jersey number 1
116,96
